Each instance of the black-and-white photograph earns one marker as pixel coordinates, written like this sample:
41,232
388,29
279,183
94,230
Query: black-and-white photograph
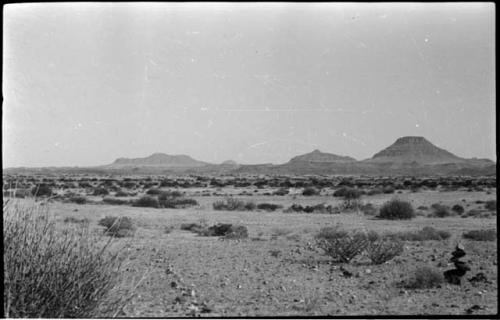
257,159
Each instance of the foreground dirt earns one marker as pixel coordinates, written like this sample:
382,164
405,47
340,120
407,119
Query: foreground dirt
276,271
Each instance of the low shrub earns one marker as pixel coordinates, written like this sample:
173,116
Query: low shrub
100,192
153,191
281,192
194,227
396,210
368,209
491,205
42,190
475,213
458,209
424,277
382,250
121,193
269,206
310,191
76,220
78,199
177,203
481,235
117,226
114,201
169,194
374,191
347,193
440,211
225,230
427,233
231,204
388,190
341,245
146,201
318,208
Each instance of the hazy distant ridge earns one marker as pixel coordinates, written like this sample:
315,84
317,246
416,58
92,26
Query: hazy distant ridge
406,156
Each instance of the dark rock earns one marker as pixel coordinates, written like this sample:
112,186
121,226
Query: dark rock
471,309
480,277
346,273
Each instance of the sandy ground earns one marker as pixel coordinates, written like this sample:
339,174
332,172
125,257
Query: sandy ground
275,272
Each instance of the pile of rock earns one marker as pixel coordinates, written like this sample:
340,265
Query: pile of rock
454,276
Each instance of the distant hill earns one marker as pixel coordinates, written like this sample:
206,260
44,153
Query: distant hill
318,156
414,149
160,160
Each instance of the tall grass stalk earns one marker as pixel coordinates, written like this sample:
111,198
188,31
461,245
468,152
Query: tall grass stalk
52,272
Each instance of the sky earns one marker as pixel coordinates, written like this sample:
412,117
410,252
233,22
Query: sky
86,83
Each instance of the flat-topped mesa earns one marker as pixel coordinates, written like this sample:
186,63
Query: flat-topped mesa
414,149
318,156
159,160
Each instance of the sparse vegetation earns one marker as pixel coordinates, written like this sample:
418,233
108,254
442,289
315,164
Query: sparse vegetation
114,201
42,190
424,277
458,209
232,204
118,226
78,199
100,192
491,205
426,234
269,206
481,235
440,211
147,201
318,208
310,191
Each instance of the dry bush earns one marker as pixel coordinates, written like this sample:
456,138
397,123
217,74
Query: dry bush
318,208
481,235
147,201
78,199
49,273
118,226
153,191
281,192
440,211
427,233
269,206
42,190
232,204
382,250
172,199
225,230
100,191
396,210
491,205
115,201
311,191
368,209
425,277
341,245
76,220
121,193
458,209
